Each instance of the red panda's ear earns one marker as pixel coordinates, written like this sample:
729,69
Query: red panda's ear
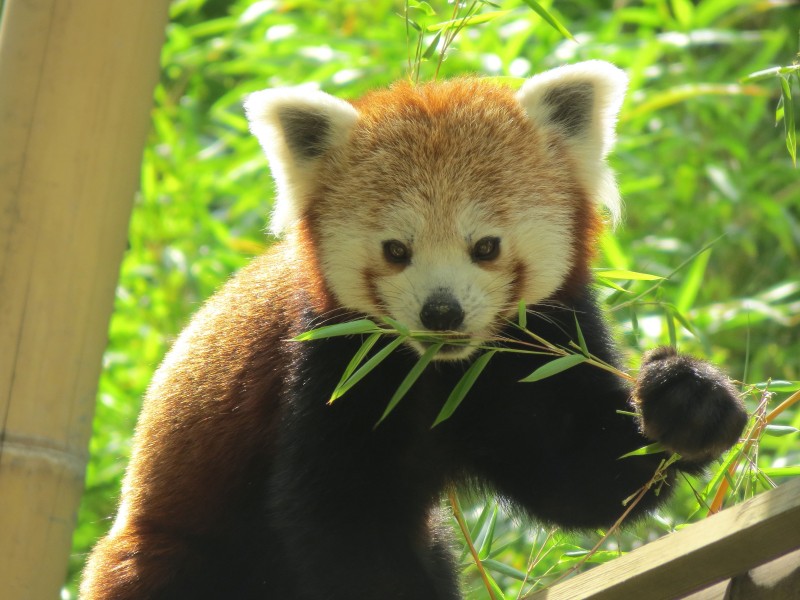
581,102
296,126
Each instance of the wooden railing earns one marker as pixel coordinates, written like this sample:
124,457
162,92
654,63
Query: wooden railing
712,559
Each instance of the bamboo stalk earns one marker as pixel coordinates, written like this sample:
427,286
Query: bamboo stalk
76,82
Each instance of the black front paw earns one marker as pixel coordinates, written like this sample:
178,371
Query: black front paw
687,405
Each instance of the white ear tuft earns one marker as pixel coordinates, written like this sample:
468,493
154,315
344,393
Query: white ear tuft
581,102
296,127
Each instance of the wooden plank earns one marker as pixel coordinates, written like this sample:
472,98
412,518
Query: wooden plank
779,579
76,84
720,547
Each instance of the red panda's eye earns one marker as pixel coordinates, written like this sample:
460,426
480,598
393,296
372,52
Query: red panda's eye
396,252
487,248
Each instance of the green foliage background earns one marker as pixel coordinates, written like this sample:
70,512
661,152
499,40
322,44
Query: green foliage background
699,159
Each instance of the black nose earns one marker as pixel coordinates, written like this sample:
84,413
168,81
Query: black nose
441,312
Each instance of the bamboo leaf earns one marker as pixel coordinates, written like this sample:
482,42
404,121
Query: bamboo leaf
410,379
523,314
358,357
681,93
669,318
414,25
626,275
471,20
779,385
692,282
781,471
634,323
339,329
366,368
656,448
779,430
397,325
788,119
762,75
581,340
504,569
432,46
554,367
488,536
463,386
549,18
681,318
422,6
610,284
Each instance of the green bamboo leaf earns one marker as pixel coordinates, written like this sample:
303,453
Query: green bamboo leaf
693,281
479,523
463,386
669,317
634,323
645,450
779,385
627,413
523,314
488,537
498,593
422,6
788,118
598,556
762,75
779,430
549,18
782,471
504,569
462,22
397,325
554,367
414,25
581,339
365,369
358,357
410,379
339,329
432,46
681,318
626,275
682,93
779,111
610,284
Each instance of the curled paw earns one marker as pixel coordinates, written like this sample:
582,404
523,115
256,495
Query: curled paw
687,405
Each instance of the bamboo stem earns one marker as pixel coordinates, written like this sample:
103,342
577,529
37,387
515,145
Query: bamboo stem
76,82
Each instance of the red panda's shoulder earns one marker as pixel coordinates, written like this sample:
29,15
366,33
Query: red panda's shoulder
214,402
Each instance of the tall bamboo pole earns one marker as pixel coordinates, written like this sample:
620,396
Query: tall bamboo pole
76,83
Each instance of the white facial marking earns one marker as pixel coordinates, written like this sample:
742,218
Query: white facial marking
533,260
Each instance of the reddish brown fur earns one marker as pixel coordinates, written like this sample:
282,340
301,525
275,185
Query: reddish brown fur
205,427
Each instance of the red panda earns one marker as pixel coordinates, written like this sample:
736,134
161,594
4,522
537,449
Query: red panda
441,206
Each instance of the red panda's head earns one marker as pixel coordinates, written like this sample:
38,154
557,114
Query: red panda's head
443,205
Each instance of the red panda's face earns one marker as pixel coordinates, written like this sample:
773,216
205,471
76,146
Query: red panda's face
445,221
446,205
